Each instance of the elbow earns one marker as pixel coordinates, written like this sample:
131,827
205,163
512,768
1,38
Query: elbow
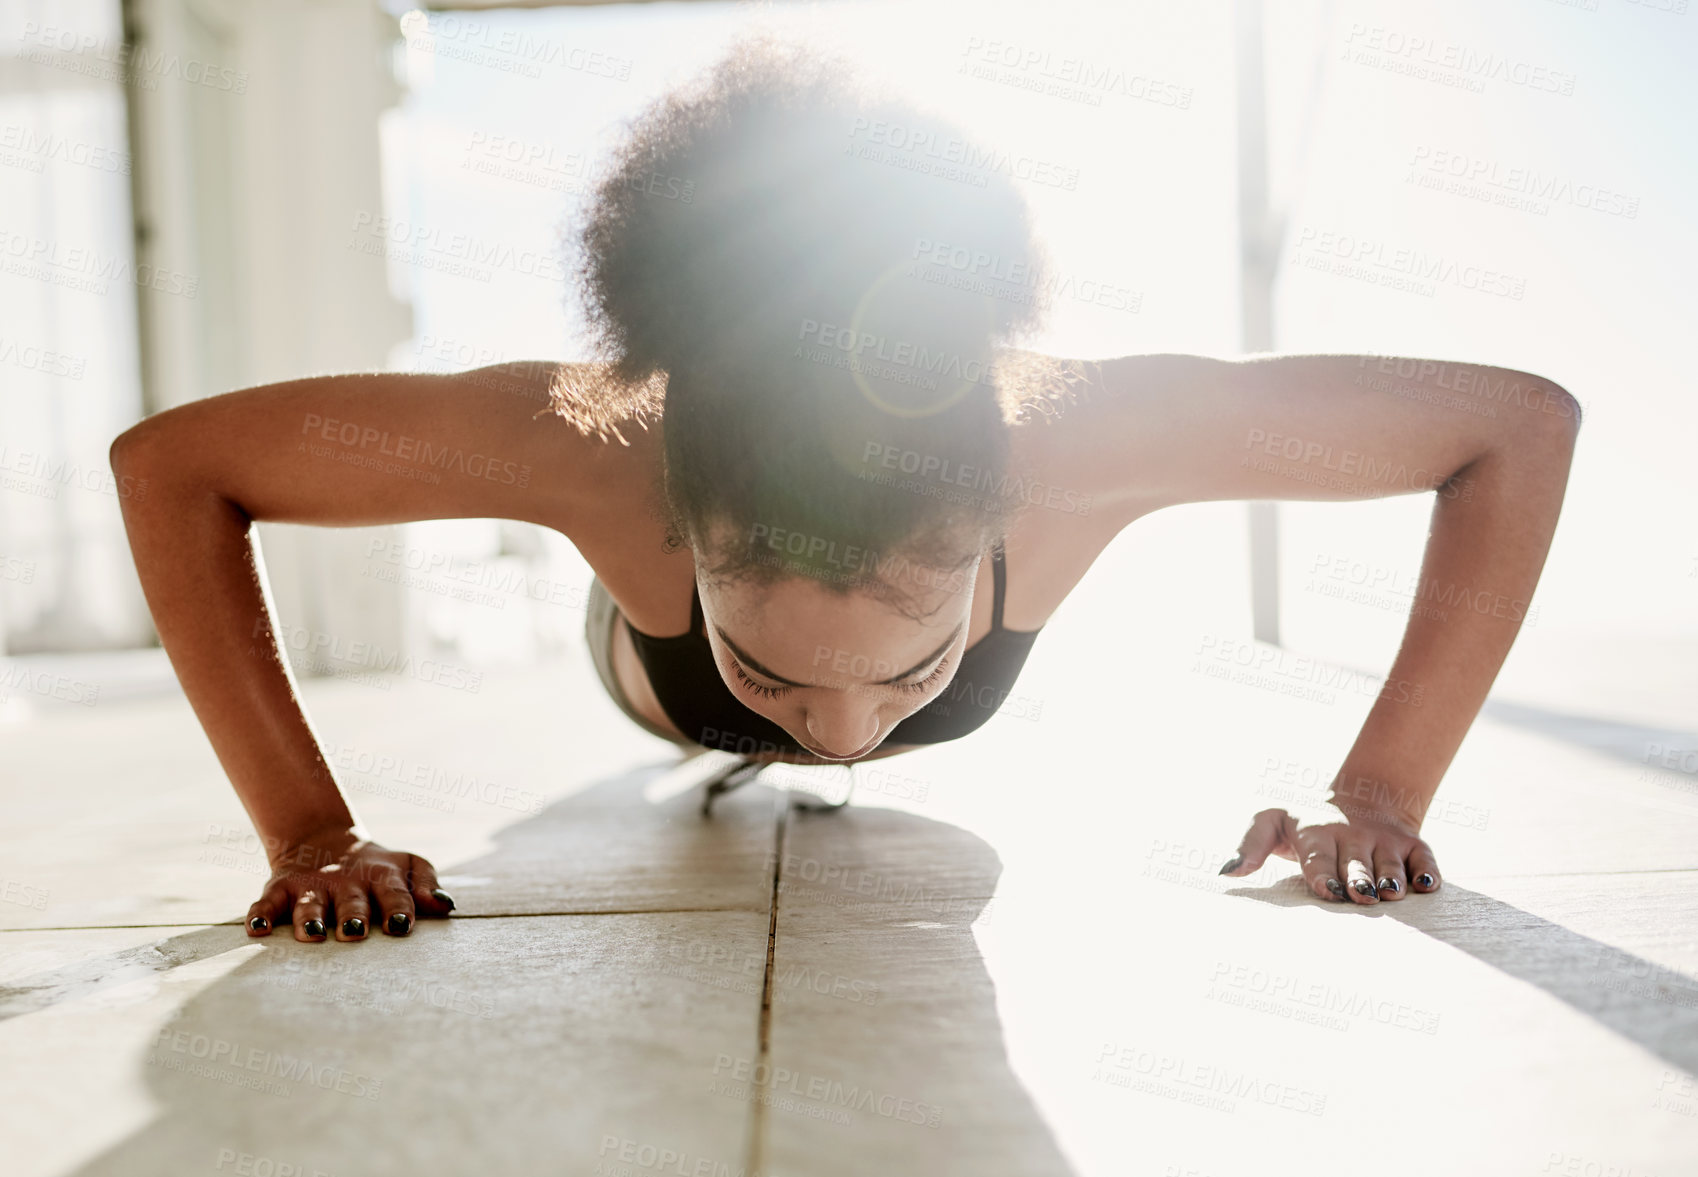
1564,431
125,452
1555,408
1536,419
131,460
118,455
1542,415
1565,407
1551,429
148,445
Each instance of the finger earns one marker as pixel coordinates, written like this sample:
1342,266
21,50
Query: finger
1264,837
394,903
270,909
353,910
1423,869
1389,879
429,899
1317,854
309,915
1356,861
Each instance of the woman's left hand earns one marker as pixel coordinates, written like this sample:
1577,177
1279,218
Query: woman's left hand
1361,859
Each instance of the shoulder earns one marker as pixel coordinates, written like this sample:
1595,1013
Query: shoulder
601,434
1102,430
609,431
612,430
595,401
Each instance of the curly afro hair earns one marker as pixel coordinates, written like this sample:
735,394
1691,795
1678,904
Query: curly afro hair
780,269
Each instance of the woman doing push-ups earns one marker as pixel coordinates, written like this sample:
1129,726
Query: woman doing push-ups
820,484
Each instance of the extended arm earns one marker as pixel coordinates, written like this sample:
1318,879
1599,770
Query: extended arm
1493,444
334,451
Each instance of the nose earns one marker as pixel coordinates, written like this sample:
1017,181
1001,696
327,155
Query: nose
840,730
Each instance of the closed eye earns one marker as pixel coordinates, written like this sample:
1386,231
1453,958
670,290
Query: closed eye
751,685
924,682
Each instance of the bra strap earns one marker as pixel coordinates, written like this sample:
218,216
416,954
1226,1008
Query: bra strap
999,577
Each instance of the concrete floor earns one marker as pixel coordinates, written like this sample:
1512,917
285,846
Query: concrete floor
1010,955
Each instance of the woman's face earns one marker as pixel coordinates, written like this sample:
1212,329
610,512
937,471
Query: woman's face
836,671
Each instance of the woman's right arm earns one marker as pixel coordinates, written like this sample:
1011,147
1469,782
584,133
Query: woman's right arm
337,451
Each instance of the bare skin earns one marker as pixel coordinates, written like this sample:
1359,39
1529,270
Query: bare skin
1147,432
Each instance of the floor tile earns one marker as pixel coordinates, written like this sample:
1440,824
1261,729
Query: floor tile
477,1045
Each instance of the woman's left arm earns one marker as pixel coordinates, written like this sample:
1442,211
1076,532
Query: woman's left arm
1494,444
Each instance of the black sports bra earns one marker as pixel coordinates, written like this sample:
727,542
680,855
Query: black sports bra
696,699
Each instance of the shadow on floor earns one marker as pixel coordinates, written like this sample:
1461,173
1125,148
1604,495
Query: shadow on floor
879,897
590,1022
1643,1002
1630,743
1665,749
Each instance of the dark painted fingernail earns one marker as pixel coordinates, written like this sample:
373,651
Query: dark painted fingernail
260,924
1232,866
400,923
1390,884
1336,888
353,926
1364,887
313,927
443,898
1424,880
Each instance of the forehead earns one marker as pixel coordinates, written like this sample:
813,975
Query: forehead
756,604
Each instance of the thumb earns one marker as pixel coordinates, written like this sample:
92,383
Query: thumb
1265,836
430,899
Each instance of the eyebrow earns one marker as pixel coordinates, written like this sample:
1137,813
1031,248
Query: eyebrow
883,682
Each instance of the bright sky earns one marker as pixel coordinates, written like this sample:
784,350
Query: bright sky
1142,198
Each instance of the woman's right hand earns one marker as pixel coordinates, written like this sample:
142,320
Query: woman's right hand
195,479
337,882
